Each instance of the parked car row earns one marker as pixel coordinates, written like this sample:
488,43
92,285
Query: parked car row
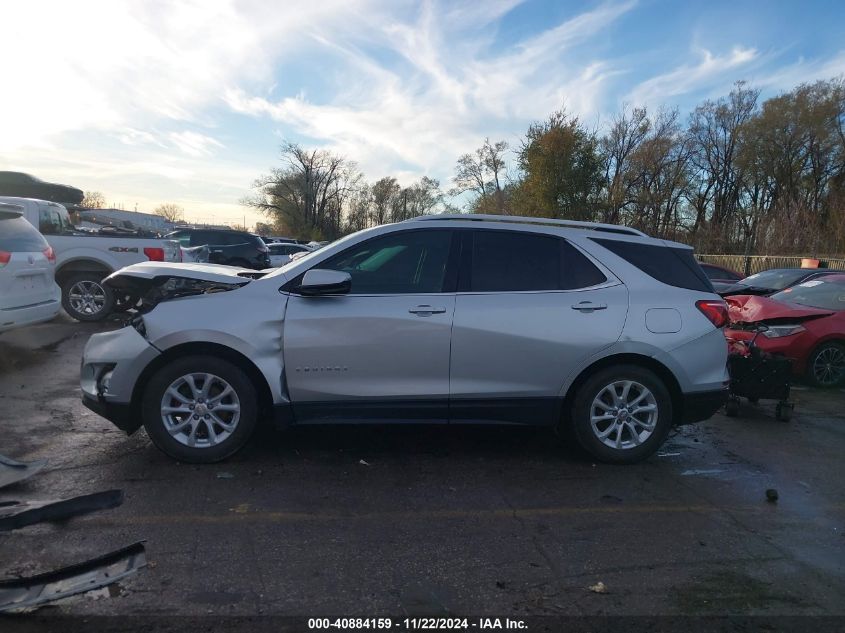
82,259
227,247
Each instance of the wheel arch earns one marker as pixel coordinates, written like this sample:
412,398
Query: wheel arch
646,362
265,398
74,266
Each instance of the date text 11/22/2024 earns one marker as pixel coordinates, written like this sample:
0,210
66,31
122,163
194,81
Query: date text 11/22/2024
417,624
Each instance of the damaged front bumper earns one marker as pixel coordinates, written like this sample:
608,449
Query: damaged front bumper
112,363
21,594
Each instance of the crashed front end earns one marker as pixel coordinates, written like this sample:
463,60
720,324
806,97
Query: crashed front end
113,362
776,327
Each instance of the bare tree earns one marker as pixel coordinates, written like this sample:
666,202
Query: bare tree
170,212
483,173
93,200
715,131
627,132
309,192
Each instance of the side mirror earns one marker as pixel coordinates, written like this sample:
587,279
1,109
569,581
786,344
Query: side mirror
317,282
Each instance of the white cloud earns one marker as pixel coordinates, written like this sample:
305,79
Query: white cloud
132,97
448,92
688,78
194,144
110,64
801,71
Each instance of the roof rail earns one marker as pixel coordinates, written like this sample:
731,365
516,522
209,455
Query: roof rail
518,219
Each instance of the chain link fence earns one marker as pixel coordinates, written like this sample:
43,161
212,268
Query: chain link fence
750,264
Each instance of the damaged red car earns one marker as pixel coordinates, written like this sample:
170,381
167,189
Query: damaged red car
805,323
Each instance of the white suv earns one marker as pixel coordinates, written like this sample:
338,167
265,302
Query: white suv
28,291
597,329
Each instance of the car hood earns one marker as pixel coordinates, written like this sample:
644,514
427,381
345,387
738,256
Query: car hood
753,309
197,271
152,283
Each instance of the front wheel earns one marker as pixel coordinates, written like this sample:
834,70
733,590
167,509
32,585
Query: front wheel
200,409
622,414
86,298
826,367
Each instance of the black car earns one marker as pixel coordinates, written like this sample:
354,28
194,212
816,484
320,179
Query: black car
20,185
232,248
771,281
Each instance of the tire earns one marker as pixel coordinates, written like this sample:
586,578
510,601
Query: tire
212,440
85,298
783,412
646,387
826,365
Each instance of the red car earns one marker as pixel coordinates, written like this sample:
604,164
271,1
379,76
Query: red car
805,323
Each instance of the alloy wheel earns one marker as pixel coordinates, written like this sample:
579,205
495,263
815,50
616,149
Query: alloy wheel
200,410
87,297
623,414
829,366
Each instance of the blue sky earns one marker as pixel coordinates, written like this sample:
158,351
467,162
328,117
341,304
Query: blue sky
187,102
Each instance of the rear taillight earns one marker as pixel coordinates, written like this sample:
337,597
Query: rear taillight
50,254
4,258
154,254
716,311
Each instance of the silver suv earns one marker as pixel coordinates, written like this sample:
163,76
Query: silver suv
597,330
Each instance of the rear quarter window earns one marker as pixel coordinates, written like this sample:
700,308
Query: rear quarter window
19,236
672,266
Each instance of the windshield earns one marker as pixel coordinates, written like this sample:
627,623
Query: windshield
828,293
775,279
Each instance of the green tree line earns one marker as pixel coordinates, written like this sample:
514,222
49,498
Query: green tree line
737,175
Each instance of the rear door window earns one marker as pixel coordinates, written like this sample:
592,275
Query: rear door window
19,236
673,266
200,238
511,261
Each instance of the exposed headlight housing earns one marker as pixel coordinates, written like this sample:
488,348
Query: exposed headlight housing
779,331
104,379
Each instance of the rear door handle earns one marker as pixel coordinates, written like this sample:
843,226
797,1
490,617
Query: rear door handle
589,306
426,310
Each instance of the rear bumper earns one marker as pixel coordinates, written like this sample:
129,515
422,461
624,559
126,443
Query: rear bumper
119,414
702,405
11,318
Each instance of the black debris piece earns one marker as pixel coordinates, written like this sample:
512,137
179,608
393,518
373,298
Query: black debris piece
18,514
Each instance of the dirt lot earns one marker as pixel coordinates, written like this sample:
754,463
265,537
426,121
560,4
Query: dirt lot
422,520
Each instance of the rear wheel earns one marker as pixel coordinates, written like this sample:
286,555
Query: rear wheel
826,367
622,414
85,298
200,409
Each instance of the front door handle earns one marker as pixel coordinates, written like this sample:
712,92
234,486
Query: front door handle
589,306
426,310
